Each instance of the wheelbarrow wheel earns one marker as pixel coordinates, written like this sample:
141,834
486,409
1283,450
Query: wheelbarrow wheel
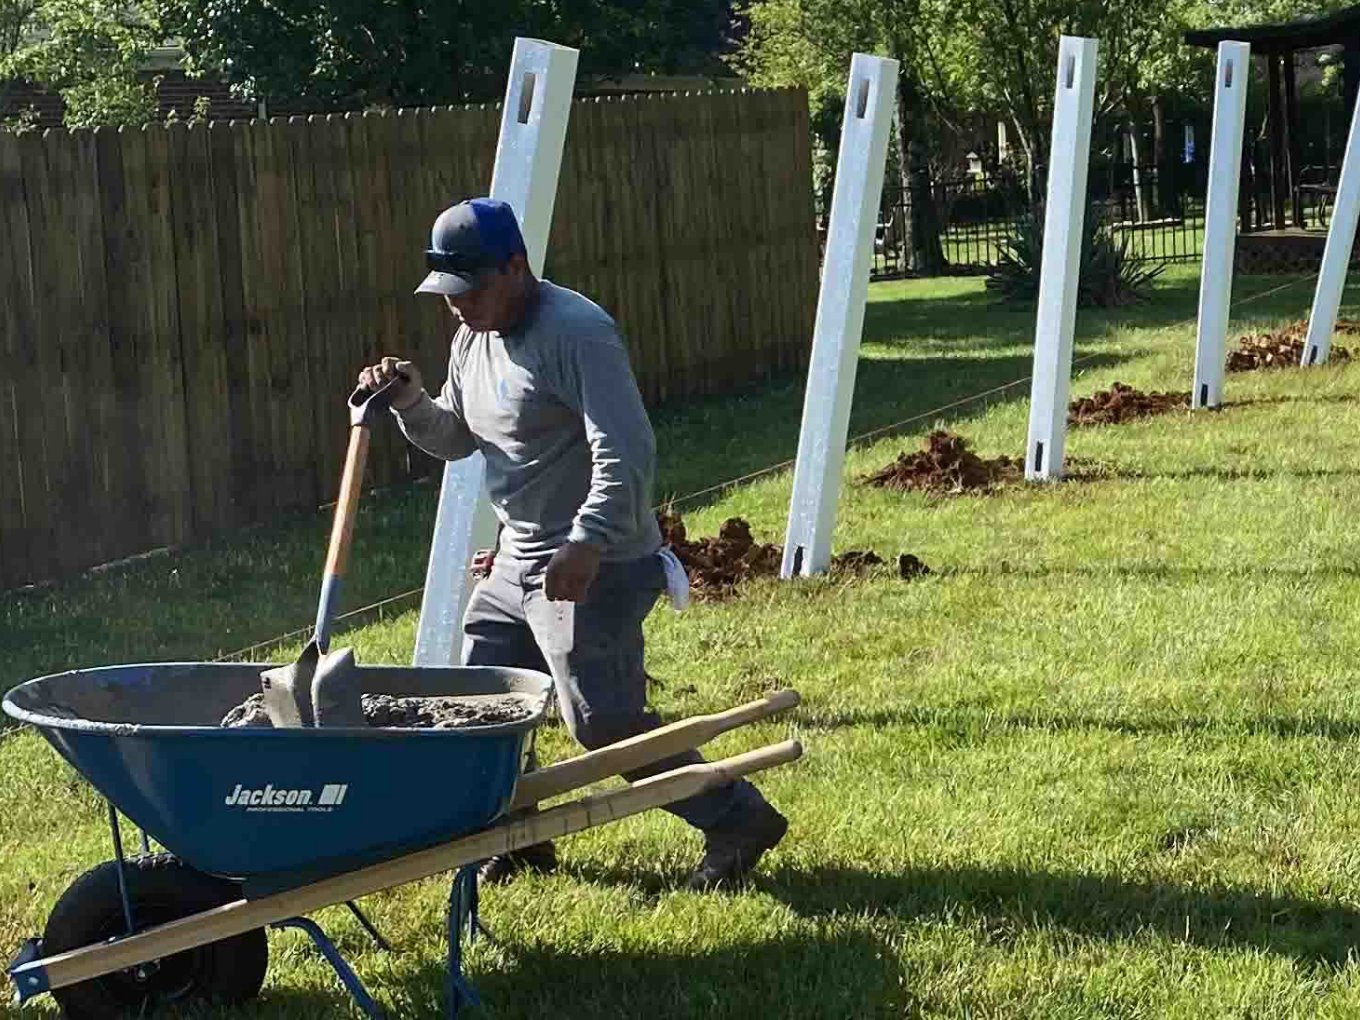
161,888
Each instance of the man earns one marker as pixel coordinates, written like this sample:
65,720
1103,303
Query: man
539,381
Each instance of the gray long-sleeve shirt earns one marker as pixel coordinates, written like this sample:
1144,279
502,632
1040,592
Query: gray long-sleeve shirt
553,406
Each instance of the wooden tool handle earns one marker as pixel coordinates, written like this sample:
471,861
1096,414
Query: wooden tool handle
644,749
233,918
342,531
351,484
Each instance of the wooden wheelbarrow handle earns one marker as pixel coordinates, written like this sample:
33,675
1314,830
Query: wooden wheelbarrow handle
644,749
76,965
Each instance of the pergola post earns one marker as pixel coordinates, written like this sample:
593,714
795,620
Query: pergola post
1276,115
1291,138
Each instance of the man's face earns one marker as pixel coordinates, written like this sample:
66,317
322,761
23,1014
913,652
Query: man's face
497,302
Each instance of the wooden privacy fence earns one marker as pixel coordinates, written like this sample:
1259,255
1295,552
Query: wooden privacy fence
185,308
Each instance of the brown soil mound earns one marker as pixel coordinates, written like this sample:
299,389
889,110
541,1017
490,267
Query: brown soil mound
945,465
1122,403
856,561
387,711
1283,348
908,566
716,566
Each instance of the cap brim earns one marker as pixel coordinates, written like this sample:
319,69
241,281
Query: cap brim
446,283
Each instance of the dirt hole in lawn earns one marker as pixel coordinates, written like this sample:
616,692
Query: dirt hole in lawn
718,565
1283,347
945,464
1121,403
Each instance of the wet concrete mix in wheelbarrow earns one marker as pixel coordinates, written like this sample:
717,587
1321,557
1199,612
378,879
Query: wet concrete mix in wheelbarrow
1283,348
718,565
389,711
1121,403
945,465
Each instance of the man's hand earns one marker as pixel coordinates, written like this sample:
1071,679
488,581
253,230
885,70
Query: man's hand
571,571
482,562
408,388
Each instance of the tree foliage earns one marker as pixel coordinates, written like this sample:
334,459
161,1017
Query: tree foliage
408,52
997,57
92,52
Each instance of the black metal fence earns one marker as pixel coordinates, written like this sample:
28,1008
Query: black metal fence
1158,209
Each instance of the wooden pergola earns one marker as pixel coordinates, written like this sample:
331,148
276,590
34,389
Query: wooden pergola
1277,44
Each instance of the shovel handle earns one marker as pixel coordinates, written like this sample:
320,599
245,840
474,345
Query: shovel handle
342,531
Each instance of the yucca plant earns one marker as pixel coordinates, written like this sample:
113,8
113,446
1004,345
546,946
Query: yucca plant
1110,274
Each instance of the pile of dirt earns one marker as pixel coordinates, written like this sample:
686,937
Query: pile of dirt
856,561
717,566
945,465
1122,403
908,566
1283,348
389,712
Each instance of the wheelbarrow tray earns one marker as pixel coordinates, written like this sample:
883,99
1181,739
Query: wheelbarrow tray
281,806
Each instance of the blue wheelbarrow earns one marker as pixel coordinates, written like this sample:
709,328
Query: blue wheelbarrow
261,827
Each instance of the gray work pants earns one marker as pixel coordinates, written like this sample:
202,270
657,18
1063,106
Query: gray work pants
602,694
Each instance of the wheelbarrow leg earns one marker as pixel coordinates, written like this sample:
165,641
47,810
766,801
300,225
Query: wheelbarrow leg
369,927
342,969
117,833
462,915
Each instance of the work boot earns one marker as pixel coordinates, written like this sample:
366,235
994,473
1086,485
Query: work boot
541,857
731,853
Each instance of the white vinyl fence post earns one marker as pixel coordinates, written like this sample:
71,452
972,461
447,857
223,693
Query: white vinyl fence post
1336,257
1064,221
1220,222
840,314
528,159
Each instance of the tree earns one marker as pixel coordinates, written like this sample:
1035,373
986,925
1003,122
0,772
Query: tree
92,52
414,52
965,60
807,43
16,17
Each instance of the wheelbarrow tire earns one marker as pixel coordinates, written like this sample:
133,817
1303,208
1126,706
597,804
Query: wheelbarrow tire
161,888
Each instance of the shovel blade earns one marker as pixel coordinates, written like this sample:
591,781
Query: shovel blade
554,628
287,690
335,691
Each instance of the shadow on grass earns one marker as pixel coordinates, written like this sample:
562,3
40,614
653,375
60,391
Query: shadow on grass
1312,932
1292,398
969,723
1227,474
1007,900
832,974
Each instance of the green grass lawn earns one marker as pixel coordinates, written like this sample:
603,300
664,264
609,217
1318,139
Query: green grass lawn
1100,763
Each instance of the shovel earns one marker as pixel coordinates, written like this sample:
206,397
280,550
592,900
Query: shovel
288,690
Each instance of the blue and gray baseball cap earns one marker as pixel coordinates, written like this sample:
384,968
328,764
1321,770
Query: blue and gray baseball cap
469,240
